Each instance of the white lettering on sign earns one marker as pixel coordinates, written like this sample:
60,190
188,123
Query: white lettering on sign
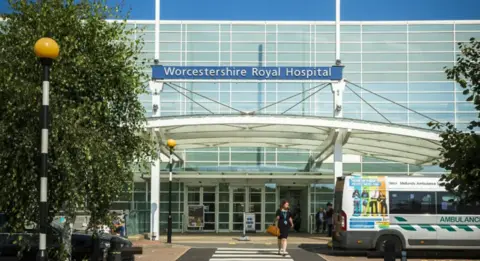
266,73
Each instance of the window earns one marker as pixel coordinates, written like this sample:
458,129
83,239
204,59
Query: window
413,202
449,204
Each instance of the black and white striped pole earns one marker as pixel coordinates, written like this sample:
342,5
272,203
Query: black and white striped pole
47,50
171,145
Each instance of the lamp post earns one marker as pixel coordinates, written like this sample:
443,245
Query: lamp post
47,50
171,144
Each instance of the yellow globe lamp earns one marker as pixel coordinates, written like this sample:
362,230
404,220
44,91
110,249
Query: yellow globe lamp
171,143
46,48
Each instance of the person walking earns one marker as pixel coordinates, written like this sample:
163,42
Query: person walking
329,218
319,217
284,223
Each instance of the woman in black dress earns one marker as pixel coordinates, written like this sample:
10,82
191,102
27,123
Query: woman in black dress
284,223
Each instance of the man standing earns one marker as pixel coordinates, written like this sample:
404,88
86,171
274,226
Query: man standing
329,218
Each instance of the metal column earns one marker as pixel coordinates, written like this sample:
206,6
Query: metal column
155,199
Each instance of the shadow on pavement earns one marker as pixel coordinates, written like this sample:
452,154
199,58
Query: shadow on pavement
197,254
456,254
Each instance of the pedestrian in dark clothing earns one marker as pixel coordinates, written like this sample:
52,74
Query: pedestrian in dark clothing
324,225
284,223
320,219
329,218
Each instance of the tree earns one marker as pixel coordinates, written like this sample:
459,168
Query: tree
461,149
97,121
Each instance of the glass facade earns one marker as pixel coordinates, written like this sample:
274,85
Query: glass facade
400,62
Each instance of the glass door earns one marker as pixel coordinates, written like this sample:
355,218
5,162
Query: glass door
271,204
224,207
238,208
255,206
209,203
193,198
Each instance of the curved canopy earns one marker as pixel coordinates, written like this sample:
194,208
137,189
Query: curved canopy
384,141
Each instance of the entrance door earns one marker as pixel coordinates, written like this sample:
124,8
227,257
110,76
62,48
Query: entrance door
255,206
208,201
238,207
193,198
205,196
298,199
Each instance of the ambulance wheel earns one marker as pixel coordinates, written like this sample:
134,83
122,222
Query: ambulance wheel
380,246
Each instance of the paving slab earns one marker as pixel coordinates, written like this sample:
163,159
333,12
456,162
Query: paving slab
154,251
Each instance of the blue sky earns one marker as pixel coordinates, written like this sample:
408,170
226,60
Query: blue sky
306,9
323,10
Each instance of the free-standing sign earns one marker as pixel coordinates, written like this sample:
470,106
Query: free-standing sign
246,73
249,222
196,216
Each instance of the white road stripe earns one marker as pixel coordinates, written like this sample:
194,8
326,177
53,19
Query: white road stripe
246,252
250,249
249,254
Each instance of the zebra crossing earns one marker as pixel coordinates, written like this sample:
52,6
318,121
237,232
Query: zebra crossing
249,254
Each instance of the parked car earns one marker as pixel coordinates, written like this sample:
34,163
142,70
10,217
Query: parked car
82,242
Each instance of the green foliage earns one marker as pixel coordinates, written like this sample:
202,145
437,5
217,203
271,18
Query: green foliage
460,149
96,127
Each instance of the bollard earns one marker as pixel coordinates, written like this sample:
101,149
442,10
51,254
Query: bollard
115,251
404,255
389,253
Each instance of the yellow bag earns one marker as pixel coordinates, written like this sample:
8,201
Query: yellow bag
273,230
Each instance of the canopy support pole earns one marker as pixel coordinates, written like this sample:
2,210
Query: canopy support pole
338,89
155,199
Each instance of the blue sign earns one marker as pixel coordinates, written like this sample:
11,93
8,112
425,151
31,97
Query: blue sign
246,73
363,223
369,182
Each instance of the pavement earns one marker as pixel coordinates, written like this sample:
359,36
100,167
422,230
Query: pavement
233,239
157,250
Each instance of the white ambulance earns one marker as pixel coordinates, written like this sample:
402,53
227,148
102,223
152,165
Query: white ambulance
413,212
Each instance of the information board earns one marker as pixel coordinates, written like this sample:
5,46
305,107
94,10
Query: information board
249,222
196,216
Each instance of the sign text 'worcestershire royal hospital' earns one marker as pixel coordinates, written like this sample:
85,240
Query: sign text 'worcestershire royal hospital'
246,73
